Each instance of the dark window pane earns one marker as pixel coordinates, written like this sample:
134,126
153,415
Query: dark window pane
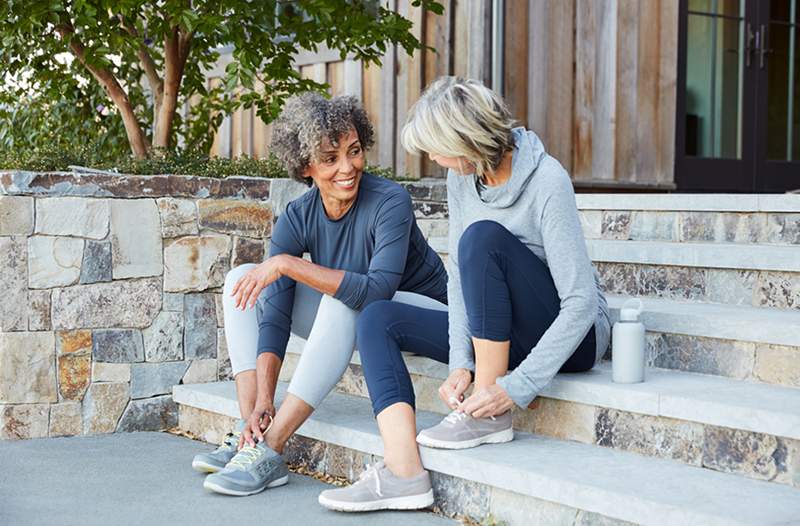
783,93
716,7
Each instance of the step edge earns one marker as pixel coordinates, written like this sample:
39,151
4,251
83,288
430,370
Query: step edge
605,501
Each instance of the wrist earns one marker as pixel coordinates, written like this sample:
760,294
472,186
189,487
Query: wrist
283,263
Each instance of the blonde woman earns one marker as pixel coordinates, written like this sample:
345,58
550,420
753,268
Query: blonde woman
524,299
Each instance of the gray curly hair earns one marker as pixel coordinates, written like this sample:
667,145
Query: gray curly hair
307,120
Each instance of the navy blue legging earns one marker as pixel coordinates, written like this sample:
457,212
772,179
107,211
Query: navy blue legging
509,294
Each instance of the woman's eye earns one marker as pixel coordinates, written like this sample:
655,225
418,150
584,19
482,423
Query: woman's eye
329,160
355,151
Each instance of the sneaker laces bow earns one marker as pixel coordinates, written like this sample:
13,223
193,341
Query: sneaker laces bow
372,472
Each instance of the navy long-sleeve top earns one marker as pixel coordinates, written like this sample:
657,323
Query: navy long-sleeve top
377,243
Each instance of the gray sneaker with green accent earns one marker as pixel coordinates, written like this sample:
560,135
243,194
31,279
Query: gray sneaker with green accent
216,460
252,470
460,431
377,488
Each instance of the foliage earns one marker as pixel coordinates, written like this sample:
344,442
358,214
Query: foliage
151,57
185,162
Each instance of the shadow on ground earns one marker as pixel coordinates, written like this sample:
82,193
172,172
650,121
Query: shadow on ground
146,478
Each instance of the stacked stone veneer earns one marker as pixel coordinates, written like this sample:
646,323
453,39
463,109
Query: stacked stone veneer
112,293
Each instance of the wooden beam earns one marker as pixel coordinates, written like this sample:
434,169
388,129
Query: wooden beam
667,90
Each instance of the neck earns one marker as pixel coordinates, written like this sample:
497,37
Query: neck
501,174
334,208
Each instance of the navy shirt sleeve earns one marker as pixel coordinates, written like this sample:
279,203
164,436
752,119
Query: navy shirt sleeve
274,309
392,231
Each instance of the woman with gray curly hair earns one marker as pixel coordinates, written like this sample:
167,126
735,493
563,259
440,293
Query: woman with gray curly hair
365,246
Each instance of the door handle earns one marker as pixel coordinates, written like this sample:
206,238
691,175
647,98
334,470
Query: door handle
762,47
748,48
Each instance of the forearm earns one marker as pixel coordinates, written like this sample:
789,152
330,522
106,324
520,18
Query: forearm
268,367
322,279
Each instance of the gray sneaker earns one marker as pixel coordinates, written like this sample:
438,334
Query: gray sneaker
377,488
252,470
460,431
216,460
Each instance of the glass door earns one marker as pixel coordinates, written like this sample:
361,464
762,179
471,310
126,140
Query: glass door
738,96
715,135
778,99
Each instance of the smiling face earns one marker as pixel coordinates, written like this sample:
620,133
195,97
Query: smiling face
337,172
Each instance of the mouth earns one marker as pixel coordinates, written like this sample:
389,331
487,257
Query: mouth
346,184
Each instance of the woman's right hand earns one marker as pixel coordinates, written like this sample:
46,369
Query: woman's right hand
256,424
454,387
248,287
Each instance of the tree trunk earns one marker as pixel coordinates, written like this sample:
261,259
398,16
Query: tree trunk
136,137
176,50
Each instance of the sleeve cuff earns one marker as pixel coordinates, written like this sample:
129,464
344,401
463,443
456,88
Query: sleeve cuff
519,389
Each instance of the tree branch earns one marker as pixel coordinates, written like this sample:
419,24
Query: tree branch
106,78
148,64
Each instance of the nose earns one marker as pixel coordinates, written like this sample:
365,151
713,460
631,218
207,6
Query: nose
346,165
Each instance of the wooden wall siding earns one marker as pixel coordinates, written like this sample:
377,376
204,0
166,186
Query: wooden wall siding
551,77
595,79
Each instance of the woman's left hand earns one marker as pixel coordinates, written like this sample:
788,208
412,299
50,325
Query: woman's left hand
488,401
245,292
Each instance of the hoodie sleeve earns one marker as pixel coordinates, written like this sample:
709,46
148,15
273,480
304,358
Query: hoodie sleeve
461,351
571,269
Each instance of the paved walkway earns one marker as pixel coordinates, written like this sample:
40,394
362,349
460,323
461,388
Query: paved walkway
146,479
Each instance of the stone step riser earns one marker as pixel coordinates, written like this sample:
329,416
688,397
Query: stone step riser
755,455
454,496
752,288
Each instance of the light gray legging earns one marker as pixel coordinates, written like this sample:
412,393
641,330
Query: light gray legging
327,325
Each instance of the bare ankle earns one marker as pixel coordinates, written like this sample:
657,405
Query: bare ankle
405,470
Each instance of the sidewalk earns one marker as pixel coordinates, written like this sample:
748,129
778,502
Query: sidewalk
144,479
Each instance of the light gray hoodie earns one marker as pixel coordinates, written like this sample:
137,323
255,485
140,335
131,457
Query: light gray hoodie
537,205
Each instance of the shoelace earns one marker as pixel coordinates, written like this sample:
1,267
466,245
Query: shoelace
372,472
230,442
456,416
248,454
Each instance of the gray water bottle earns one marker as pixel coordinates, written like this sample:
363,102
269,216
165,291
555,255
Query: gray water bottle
627,344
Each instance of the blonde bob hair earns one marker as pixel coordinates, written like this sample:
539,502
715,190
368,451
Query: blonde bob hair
458,117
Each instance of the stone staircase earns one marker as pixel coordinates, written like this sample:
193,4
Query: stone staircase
711,437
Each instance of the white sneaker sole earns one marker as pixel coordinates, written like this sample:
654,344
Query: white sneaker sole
412,502
506,435
204,467
236,493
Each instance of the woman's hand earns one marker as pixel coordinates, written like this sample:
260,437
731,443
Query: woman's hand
256,424
453,388
488,401
249,286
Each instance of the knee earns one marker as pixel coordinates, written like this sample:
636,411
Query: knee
236,273
479,238
374,319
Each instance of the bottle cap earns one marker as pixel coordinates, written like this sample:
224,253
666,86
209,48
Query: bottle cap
631,310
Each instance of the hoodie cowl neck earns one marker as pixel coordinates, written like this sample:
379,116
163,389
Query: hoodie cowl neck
525,158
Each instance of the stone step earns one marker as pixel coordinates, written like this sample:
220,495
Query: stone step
533,479
752,343
725,273
722,424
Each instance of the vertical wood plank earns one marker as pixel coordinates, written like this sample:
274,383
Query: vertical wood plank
353,82
437,33
408,88
335,78
388,102
515,59
538,61
667,90
372,99
479,54
460,37
647,130
604,135
236,133
584,88
560,75
627,117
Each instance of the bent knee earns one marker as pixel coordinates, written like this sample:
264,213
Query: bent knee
236,273
480,237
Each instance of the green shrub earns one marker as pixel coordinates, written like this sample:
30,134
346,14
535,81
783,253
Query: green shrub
59,159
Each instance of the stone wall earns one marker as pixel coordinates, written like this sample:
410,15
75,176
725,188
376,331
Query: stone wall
112,290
